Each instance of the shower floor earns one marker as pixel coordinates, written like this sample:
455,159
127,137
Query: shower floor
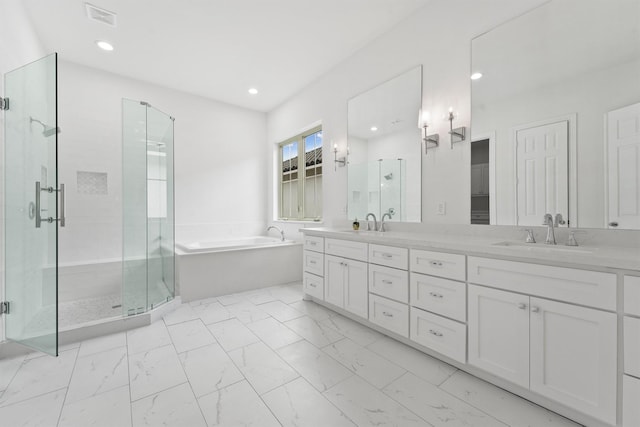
76,313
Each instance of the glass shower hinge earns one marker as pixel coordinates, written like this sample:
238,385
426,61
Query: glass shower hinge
4,307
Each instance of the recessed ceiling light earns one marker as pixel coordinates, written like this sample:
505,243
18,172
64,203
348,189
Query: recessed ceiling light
104,45
476,76
373,128
253,91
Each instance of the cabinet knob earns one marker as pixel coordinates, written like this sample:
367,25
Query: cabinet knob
435,295
613,224
535,309
387,314
436,263
436,333
522,306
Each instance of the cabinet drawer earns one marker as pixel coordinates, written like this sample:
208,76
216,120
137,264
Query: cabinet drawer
313,285
591,288
439,264
314,262
313,243
632,346
391,315
630,399
389,282
632,295
437,333
389,256
346,248
441,296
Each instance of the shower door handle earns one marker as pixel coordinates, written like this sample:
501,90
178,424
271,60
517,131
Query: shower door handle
38,216
38,213
62,215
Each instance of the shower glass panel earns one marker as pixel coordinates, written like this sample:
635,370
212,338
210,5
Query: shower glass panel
378,187
148,217
31,207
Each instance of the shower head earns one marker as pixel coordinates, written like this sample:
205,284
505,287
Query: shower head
389,176
48,130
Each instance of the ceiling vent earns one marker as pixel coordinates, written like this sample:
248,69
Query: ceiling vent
101,15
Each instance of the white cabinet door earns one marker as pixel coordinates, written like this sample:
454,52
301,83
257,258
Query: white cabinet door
499,333
630,399
334,280
356,292
573,357
623,149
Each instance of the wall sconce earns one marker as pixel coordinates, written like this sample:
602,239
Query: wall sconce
337,161
457,134
433,139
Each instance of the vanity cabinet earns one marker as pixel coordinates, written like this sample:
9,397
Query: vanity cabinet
346,284
631,377
562,351
313,266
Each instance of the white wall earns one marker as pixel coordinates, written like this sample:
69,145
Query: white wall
442,45
219,152
18,46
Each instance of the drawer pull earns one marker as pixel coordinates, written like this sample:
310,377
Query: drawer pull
313,285
387,256
435,295
535,309
387,282
312,243
312,262
387,314
436,333
522,306
436,263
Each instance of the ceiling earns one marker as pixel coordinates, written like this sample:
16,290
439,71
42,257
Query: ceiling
219,48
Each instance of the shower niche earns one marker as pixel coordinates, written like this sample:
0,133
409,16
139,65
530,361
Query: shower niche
148,215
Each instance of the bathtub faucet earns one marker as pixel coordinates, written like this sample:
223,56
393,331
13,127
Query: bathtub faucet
277,228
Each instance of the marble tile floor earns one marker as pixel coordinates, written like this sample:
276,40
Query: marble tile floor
261,358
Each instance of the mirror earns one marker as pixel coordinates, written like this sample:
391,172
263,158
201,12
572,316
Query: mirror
556,117
384,156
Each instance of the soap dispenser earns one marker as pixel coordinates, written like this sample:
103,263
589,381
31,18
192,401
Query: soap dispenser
356,224
571,241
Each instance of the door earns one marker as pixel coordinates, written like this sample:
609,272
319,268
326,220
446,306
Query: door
623,150
499,333
356,292
334,280
542,172
32,212
574,357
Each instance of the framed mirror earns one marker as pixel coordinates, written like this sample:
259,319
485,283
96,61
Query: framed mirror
384,157
556,117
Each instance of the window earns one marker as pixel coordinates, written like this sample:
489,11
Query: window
300,196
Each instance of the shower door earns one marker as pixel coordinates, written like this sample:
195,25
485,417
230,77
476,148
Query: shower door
32,213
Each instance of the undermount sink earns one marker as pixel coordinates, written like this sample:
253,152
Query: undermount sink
367,232
541,247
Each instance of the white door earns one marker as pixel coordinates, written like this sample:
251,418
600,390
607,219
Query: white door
623,150
334,270
356,291
499,333
542,172
574,357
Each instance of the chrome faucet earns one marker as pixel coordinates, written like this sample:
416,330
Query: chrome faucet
551,236
375,222
277,228
382,223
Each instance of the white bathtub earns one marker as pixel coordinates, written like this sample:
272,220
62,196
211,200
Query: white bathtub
231,244
220,267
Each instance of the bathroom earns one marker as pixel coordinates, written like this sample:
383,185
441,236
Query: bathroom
226,159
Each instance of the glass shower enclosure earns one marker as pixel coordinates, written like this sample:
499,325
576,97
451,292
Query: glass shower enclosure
148,212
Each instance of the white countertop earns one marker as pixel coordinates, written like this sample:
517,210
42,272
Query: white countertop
585,257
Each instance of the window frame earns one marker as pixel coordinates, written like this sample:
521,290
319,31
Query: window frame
302,176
